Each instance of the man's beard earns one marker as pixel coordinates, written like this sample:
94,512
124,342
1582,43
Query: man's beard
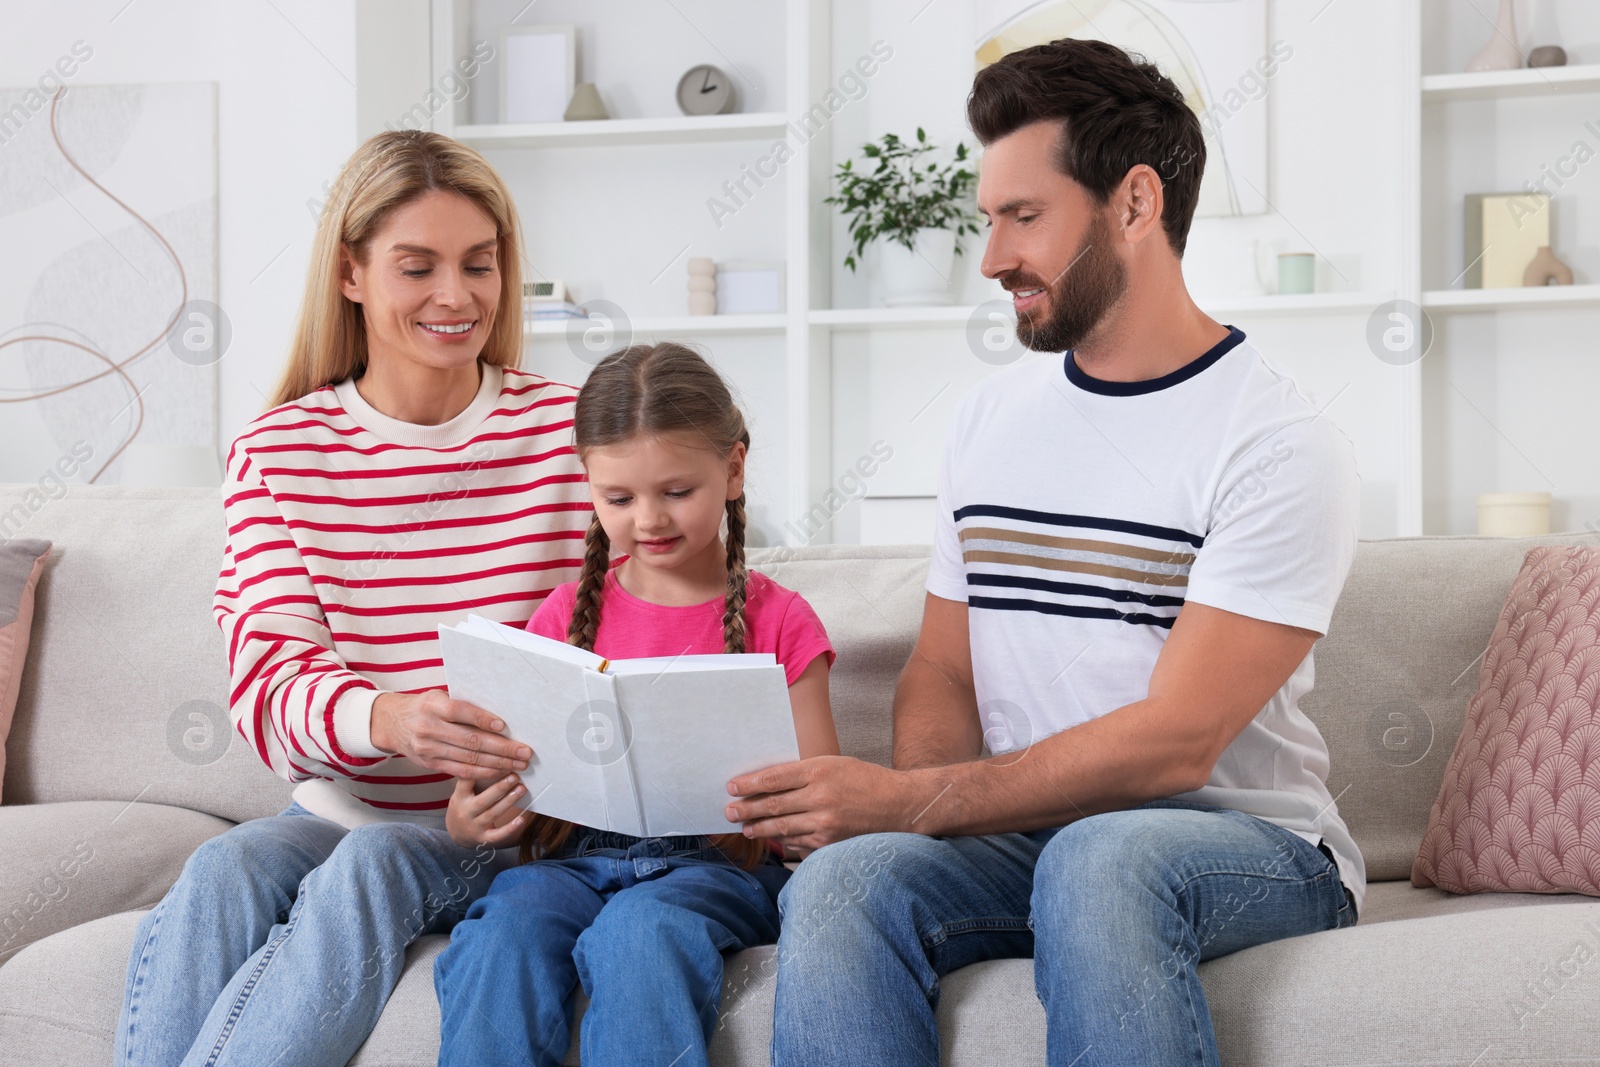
1079,298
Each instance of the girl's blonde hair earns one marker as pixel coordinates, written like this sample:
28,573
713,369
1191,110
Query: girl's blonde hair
651,391
388,171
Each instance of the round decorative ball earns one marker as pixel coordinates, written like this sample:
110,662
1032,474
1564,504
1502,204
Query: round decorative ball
1548,55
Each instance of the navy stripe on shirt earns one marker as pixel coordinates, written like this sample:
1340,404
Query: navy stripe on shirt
1088,522
1044,585
1137,618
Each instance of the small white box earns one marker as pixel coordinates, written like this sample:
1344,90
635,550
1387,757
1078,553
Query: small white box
749,288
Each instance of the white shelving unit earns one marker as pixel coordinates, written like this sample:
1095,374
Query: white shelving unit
1505,398
661,143
830,372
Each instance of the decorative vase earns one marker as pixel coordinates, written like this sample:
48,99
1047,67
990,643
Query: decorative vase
586,105
1546,269
702,286
1501,53
920,276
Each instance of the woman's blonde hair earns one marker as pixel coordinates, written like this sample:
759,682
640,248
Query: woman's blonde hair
651,391
388,171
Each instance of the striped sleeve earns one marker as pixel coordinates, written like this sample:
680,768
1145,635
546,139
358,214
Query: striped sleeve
290,694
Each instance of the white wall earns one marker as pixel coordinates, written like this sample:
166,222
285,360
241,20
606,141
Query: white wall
286,122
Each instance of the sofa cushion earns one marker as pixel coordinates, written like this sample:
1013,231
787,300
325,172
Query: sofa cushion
60,999
870,599
74,861
1395,674
127,668
1439,988
1399,899
1519,807
21,561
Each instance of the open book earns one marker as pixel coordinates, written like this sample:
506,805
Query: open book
637,746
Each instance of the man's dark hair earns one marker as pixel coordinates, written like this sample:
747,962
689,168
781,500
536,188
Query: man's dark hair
1116,111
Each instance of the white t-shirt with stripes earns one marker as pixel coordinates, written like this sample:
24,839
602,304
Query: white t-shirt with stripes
1076,516
351,537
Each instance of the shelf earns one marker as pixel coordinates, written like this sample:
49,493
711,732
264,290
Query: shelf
1504,84
688,129
674,324
1297,304
1306,304
1545,296
875,318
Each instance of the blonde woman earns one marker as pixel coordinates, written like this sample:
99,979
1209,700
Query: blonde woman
406,473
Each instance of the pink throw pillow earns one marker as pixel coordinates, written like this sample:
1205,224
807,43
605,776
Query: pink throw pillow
1519,808
21,562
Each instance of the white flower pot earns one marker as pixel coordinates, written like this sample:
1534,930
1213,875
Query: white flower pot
920,277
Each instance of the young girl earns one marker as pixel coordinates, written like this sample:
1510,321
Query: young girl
641,922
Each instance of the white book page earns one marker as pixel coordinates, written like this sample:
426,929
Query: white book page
499,631
543,701
690,732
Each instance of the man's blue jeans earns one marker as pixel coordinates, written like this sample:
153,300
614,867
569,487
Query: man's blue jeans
284,936
1117,910
641,923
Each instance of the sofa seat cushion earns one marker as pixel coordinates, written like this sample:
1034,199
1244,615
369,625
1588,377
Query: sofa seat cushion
1435,989
73,861
60,999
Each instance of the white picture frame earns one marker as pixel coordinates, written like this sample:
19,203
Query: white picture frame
750,287
538,73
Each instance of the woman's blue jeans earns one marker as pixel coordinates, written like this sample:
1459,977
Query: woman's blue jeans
1117,910
284,936
641,923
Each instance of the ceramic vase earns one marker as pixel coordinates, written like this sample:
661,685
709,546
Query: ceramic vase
1501,53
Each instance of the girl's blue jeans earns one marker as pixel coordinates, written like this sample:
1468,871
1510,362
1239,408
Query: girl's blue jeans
641,924
1117,910
284,936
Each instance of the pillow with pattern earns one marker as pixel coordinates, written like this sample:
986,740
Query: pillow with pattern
1519,808
21,561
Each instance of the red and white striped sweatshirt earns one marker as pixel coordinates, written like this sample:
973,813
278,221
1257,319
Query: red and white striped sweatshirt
351,537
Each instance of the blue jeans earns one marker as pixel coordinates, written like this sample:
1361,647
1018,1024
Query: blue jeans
1117,910
641,923
284,936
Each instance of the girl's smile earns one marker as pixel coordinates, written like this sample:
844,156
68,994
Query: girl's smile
662,545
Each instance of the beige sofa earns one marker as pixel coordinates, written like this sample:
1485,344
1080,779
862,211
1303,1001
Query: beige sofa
117,772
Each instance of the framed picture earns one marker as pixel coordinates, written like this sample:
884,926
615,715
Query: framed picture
745,288
538,73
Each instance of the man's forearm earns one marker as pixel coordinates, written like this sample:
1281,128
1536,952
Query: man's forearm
1117,761
935,717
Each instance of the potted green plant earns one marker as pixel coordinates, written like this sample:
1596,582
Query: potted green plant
913,209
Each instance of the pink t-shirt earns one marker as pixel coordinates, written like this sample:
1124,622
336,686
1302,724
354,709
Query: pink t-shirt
776,620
